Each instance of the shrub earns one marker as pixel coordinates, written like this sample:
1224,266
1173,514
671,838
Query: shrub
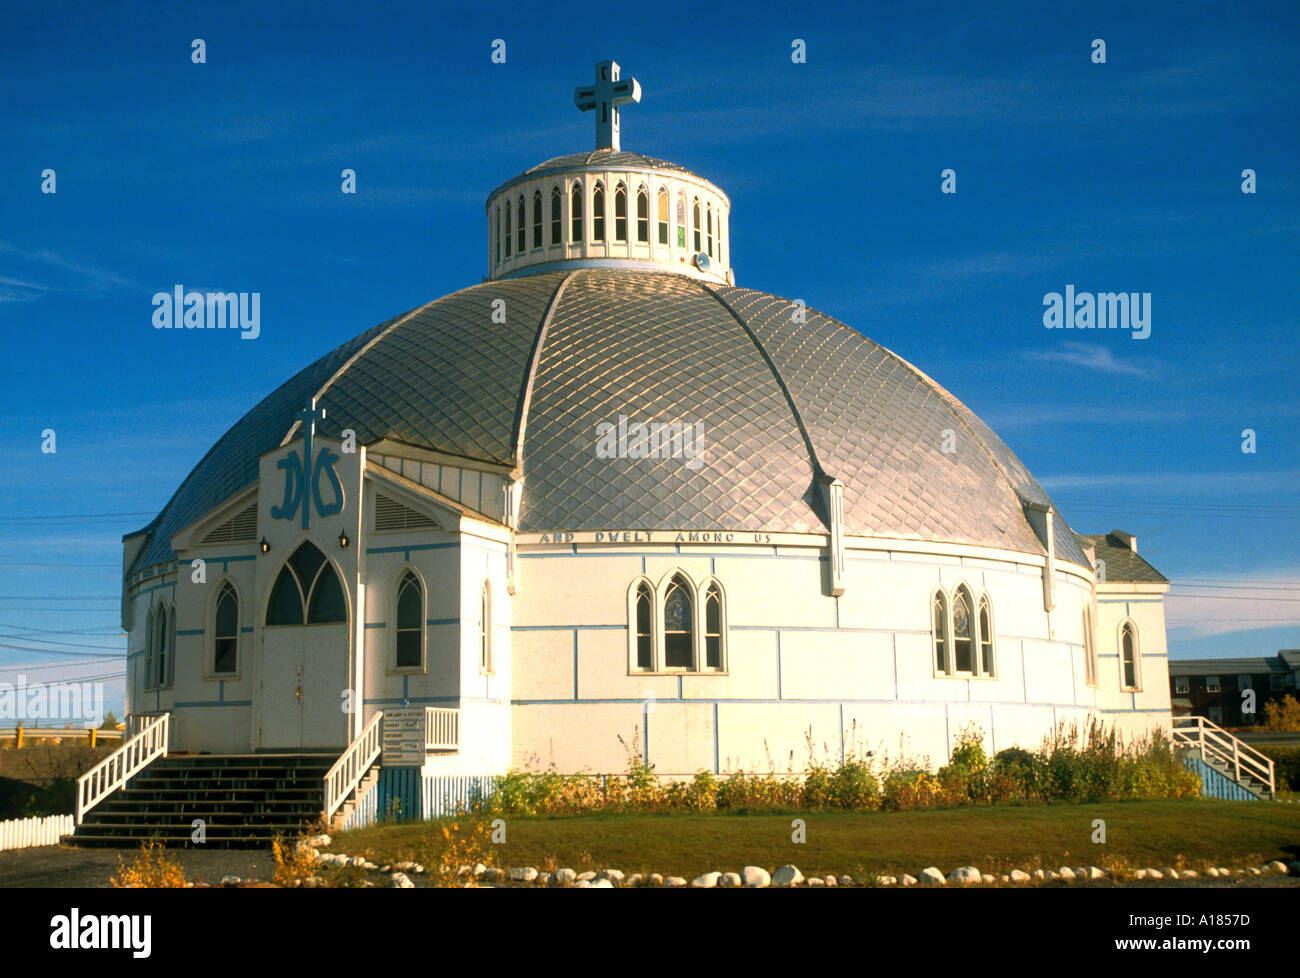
1286,766
152,868
853,786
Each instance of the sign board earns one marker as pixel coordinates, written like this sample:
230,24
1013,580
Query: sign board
402,738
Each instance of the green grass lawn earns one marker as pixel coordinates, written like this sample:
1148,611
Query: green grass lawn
1184,834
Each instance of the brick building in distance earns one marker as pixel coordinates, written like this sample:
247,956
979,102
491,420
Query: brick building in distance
1212,688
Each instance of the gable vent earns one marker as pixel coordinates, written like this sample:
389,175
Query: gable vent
392,515
239,528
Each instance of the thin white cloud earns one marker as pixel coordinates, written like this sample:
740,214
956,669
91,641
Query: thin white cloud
1244,602
66,274
1090,356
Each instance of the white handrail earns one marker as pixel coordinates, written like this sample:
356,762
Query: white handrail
441,728
120,766
342,779
1209,738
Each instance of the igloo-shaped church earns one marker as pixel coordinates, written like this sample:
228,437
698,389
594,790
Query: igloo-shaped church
609,497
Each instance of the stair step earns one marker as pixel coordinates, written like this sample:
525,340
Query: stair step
244,801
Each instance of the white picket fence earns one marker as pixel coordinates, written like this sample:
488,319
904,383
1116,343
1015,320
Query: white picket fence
19,833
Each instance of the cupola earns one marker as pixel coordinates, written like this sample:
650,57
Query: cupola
609,208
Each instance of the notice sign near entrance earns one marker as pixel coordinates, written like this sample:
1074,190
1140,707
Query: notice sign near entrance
403,737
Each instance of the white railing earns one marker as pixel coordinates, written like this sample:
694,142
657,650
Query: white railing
441,728
342,779
19,833
1216,744
121,765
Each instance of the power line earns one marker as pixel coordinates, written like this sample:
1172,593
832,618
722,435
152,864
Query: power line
80,516
47,607
1220,621
60,597
50,641
47,666
29,648
1234,587
60,631
1265,585
1230,597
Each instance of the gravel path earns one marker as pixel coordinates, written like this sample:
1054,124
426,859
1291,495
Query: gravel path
59,866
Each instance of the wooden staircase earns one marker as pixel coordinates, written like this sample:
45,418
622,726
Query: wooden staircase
244,800
1222,752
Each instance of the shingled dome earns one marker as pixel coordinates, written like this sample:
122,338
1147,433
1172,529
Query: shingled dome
780,402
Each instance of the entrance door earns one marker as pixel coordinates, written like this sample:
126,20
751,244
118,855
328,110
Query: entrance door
304,673
304,657
282,675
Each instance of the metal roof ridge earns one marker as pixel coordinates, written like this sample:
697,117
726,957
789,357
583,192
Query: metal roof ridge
818,470
530,375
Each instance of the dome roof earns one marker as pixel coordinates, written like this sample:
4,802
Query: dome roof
614,158
781,403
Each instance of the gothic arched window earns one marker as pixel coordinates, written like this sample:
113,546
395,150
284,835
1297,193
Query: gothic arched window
409,633
521,234
663,216
642,216
485,629
681,220
149,634
963,629
598,213
939,614
620,213
498,235
986,636
713,626
644,622
695,224
306,581
708,223
160,658
1128,655
537,219
556,218
575,214
679,625
225,631
507,229
1089,648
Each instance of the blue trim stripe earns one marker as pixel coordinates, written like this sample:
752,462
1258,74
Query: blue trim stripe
407,548
197,703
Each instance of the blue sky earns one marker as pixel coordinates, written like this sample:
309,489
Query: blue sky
1123,176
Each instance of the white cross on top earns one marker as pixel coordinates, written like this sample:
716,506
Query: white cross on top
309,416
605,97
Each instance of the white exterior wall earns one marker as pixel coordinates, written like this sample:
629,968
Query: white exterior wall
852,673
1143,605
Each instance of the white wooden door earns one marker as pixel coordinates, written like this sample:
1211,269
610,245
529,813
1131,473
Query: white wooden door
304,674
325,676
282,689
